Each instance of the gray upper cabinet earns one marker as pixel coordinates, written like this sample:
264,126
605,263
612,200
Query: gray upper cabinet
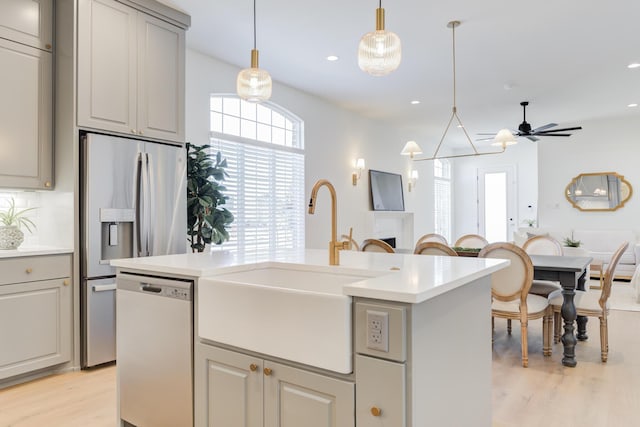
130,72
26,115
28,22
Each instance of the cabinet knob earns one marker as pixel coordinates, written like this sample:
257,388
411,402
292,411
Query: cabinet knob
133,131
375,411
267,371
253,367
29,270
66,282
141,132
47,184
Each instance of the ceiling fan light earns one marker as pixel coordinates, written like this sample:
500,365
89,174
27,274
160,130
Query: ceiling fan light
379,51
254,84
503,138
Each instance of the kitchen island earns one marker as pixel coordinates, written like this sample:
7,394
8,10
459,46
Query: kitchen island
408,345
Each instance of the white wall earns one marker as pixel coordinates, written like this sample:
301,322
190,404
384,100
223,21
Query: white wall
523,156
334,139
609,145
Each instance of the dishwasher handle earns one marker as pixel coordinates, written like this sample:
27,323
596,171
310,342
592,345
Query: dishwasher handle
145,287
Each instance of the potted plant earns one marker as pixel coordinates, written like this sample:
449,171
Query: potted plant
207,219
569,242
12,220
529,222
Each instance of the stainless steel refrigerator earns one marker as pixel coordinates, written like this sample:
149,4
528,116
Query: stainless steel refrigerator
134,204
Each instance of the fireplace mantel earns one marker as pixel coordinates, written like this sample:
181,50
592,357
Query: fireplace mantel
384,224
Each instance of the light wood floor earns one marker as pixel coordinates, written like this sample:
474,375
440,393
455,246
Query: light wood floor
545,394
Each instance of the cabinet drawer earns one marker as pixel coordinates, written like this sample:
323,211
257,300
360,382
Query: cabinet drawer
33,268
380,393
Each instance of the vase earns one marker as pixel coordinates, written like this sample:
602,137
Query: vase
10,237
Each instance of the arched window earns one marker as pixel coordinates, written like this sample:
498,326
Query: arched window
442,197
264,147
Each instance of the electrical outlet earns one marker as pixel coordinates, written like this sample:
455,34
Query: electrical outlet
378,330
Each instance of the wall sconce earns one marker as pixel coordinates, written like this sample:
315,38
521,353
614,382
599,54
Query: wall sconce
413,178
358,173
410,149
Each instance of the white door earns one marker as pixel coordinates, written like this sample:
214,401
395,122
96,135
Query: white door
497,203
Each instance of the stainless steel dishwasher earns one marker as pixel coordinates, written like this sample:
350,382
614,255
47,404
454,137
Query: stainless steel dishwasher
154,351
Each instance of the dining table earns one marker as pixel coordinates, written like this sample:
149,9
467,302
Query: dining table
571,273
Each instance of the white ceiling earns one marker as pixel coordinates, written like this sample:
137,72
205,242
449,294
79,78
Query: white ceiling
567,57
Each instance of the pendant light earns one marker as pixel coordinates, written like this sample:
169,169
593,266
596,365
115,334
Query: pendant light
254,84
379,51
454,114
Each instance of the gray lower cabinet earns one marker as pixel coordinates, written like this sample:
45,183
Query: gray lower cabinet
380,392
235,389
35,313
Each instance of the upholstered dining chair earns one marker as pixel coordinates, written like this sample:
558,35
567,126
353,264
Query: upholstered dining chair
354,244
375,245
471,241
511,298
590,303
543,245
434,248
432,237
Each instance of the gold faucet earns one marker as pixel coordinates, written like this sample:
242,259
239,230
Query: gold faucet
334,245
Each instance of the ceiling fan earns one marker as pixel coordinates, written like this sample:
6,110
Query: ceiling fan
524,129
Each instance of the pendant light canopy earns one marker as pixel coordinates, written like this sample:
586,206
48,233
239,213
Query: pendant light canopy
254,84
379,51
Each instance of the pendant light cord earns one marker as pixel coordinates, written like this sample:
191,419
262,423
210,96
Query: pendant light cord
254,24
453,31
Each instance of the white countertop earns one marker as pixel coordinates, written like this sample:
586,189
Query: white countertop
411,278
34,251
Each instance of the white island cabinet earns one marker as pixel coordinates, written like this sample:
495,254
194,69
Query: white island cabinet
421,328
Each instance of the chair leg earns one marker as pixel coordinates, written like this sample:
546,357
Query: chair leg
546,334
557,326
493,332
604,339
509,326
525,344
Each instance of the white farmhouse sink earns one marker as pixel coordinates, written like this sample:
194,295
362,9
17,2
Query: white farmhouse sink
291,311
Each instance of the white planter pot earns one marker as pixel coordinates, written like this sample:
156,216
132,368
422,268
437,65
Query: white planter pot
10,237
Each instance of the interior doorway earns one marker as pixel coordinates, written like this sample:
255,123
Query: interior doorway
497,203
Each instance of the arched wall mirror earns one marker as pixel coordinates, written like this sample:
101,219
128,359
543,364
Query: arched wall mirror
598,191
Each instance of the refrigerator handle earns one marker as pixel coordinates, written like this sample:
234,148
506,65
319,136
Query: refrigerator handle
146,205
138,204
150,194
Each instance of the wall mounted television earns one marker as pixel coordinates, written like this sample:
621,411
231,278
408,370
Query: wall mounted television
386,191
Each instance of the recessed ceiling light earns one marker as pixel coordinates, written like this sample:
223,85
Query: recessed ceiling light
332,58
416,102
632,105
634,65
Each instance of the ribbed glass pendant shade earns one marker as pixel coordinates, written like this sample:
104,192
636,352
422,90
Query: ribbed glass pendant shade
254,84
380,51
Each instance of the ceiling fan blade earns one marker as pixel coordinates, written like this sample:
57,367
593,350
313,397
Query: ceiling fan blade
531,138
545,127
491,138
492,133
553,134
560,130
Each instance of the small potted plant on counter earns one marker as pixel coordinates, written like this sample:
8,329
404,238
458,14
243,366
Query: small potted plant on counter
12,221
570,243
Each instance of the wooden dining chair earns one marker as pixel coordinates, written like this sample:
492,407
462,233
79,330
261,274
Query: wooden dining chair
434,248
354,244
590,303
471,241
543,245
432,237
375,245
511,298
